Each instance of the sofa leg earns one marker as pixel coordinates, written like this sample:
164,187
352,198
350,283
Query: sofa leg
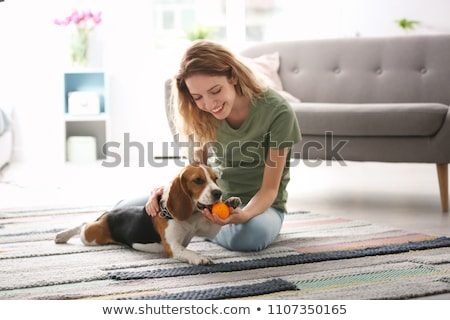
442,170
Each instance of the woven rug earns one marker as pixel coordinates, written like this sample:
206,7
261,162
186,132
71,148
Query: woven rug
315,257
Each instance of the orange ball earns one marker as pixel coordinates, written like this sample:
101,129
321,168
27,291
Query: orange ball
221,210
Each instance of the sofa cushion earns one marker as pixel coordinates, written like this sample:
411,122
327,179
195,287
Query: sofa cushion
266,67
399,119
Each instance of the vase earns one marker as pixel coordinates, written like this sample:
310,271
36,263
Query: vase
79,47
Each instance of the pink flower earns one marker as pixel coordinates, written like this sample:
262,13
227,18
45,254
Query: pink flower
83,19
76,17
97,18
88,15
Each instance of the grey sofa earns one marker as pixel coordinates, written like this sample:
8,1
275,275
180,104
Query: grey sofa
370,99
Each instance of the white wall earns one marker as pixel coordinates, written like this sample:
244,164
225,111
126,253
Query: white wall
34,54
30,75
348,18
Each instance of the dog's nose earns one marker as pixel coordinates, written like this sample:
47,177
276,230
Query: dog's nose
216,194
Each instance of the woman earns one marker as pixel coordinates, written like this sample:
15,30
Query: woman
250,130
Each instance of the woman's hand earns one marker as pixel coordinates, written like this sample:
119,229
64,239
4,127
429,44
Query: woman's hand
236,216
152,205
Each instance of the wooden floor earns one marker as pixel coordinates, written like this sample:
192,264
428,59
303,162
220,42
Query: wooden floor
396,194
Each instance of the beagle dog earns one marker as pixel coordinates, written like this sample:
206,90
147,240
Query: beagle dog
180,219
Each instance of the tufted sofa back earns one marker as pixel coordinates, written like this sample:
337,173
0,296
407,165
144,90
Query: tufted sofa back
364,70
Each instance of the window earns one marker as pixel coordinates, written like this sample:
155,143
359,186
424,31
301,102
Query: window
233,21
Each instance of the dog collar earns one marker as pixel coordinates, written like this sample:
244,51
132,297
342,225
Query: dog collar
164,212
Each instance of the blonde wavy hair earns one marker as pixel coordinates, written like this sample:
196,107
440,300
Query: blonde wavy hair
208,58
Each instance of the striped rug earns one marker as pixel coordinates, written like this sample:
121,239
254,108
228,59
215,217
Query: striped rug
315,257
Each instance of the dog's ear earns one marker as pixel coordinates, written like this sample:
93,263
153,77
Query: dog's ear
179,202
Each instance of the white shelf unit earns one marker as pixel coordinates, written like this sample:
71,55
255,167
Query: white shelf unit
91,125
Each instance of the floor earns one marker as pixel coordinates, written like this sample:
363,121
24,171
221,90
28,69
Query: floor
401,195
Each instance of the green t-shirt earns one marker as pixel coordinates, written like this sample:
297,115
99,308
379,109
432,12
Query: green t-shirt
239,154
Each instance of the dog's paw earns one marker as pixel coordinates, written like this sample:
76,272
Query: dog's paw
190,257
62,237
201,260
233,202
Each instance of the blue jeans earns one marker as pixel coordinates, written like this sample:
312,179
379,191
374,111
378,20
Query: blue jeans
254,235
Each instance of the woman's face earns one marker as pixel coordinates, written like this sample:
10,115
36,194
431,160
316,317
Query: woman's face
213,94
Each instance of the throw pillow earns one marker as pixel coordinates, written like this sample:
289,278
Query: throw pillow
266,67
